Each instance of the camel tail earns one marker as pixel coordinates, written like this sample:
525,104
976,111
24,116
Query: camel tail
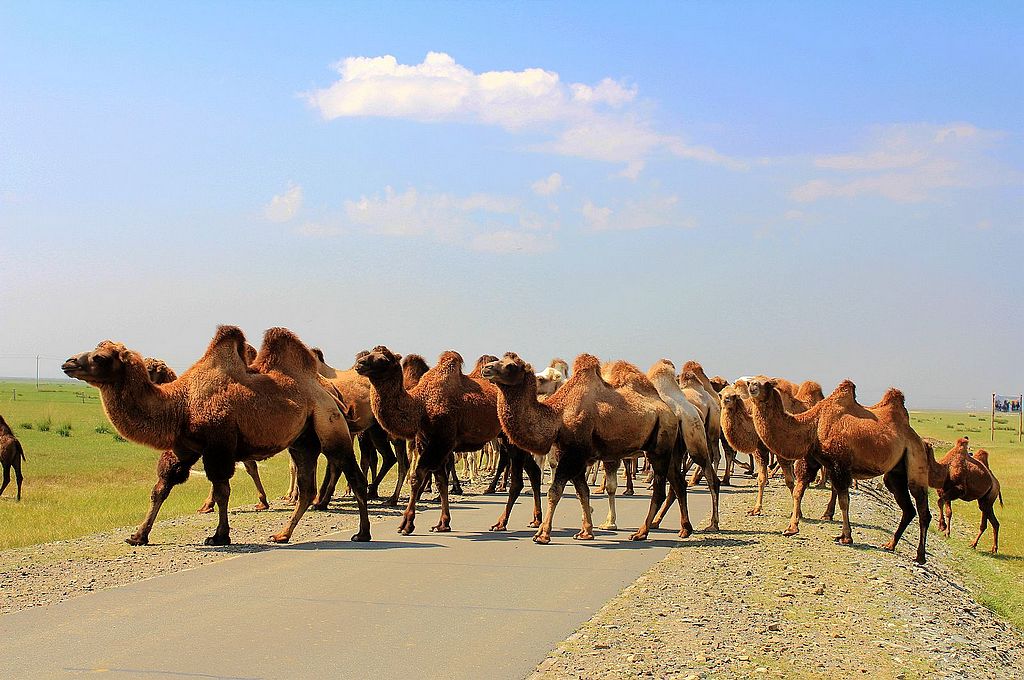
21,451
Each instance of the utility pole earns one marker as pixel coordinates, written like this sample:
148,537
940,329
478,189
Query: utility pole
37,373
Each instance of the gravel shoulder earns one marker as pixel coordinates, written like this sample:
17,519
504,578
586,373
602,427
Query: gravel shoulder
749,602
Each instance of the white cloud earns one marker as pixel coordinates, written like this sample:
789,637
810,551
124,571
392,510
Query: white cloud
659,211
284,207
587,121
317,230
910,164
483,222
547,186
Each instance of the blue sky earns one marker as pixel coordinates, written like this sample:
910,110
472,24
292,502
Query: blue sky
812,190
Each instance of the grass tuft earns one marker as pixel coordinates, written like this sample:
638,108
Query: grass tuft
64,430
45,424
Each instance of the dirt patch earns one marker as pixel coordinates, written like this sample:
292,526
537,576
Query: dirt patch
749,602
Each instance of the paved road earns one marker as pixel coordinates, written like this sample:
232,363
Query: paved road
468,604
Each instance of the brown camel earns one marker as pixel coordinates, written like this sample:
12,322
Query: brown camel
11,456
851,441
586,420
446,412
700,393
225,412
373,440
958,476
160,373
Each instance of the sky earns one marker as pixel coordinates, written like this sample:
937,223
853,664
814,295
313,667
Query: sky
809,190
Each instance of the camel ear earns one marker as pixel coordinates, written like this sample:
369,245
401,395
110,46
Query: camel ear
125,355
771,382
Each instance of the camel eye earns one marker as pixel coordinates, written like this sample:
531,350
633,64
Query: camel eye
101,359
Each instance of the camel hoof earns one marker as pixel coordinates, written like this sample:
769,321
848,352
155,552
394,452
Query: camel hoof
844,540
656,524
628,492
262,506
499,527
725,482
584,536
137,540
406,531
391,503
535,524
712,527
790,532
754,512
686,531
610,526
217,540
638,537
441,528
279,538
204,510
457,491
541,540
827,517
361,537
318,506
919,559
994,551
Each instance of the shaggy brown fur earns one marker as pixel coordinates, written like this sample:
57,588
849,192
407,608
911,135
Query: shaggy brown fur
587,420
696,385
719,383
11,456
958,476
446,412
354,390
160,373
223,411
852,442
413,368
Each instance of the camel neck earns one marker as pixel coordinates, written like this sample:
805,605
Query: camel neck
393,407
141,411
788,436
938,472
529,424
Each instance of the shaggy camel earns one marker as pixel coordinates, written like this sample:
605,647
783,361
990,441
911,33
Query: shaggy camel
160,373
851,441
11,456
663,375
958,476
710,408
225,412
589,419
373,440
446,412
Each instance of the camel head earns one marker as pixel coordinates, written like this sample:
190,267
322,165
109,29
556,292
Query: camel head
963,444
104,365
549,380
509,370
378,361
761,387
159,372
719,383
731,397
560,365
481,362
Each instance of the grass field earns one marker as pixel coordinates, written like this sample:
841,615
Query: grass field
998,577
81,478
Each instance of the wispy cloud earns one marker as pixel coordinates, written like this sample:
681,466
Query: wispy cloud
597,122
910,164
283,207
658,211
548,185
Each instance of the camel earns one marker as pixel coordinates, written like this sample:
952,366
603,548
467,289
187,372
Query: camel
11,456
160,373
707,403
225,412
589,419
852,442
446,412
663,375
373,440
958,476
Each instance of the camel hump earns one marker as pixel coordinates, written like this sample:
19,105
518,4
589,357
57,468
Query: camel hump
232,335
585,362
284,351
893,397
845,389
810,392
621,373
159,372
662,367
694,367
981,455
450,361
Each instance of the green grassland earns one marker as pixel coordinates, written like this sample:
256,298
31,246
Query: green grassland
997,578
81,478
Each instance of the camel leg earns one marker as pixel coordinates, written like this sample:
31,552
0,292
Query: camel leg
402,454
367,459
630,464
7,477
563,471
611,483
896,481
799,486
305,485
714,486
515,487
846,537
221,494
730,461
331,476
698,475
250,467
534,472
661,469
669,500
924,517
456,484
987,505
445,523
788,473
762,480
171,470
583,493
208,504
388,459
940,503
293,483
343,458
419,478
503,463
830,509
19,478
949,516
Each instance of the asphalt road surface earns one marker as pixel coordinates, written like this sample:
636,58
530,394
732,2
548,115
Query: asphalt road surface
468,604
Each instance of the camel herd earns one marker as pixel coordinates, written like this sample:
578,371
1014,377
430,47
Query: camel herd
237,405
